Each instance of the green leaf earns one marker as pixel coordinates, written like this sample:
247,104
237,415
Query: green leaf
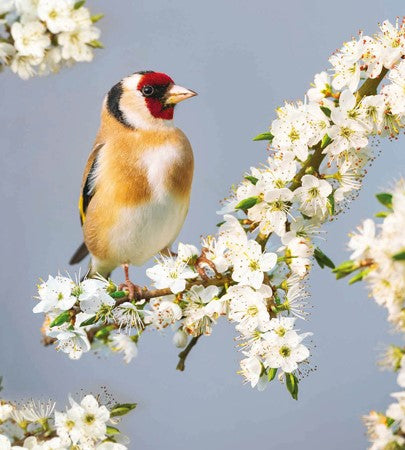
382,214
291,382
359,276
95,44
247,203
220,223
96,17
79,4
90,321
264,137
331,204
118,294
322,259
252,179
385,199
271,374
61,319
400,256
326,111
122,409
326,140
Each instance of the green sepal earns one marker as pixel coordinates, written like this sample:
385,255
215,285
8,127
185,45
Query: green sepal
291,382
326,111
400,256
331,204
344,269
111,431
122,409
118,294
326,140
322,259
88,322
247,203
252,179
359,276
390,421
385,199
105,331
220,223
79,4
95,44
271,374
96,17
61,319
382,214
264,137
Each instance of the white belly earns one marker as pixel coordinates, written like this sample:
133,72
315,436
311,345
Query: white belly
143,231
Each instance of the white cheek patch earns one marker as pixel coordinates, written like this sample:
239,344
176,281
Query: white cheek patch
157,162
131,83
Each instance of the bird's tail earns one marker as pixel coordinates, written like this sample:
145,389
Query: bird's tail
79,254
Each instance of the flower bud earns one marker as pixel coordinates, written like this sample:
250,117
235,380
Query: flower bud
180,338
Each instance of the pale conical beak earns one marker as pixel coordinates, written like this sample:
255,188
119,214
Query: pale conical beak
177,94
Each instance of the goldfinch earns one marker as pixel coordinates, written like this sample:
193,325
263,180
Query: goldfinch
136,185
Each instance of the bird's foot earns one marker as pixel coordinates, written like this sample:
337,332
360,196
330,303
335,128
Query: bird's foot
202,259
134,291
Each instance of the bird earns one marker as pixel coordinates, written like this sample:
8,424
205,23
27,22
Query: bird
136,186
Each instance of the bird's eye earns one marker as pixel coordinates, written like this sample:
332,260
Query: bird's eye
148,90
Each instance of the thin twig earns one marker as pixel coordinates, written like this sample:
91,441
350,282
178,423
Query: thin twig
183,355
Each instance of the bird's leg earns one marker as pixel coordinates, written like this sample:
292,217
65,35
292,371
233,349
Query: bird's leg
134,291
202,259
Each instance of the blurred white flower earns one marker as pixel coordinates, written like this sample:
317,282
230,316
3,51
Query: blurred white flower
30,39
57,15
124,344
5,411
362,242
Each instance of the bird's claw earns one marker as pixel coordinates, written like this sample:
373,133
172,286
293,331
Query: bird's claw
134,291
202,259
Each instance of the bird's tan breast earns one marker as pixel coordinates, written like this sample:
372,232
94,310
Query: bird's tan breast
141,176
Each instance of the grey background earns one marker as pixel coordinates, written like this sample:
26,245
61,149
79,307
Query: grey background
244,58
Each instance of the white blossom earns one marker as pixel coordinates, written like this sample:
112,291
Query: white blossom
285,350
30,39
313,195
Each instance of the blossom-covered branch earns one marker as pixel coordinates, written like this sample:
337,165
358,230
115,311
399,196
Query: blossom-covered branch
84,425
38,37
253,271
378,258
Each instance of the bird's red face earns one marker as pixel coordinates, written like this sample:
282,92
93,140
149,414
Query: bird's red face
161,94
